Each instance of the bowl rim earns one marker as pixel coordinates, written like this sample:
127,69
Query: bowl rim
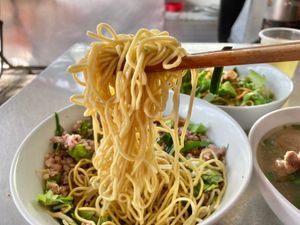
14,192
262,35
210,220
257,168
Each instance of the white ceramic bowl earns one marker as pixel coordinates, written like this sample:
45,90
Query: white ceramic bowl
278,82
284,210
26,183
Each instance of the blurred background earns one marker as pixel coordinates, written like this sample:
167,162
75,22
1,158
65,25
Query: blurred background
33,33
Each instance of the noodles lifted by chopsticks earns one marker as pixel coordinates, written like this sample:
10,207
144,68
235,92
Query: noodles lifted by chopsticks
132,179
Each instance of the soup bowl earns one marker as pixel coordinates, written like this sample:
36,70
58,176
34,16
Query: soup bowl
285,210
29,158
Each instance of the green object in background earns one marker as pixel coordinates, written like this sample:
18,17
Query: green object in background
226,89
215,80
257,79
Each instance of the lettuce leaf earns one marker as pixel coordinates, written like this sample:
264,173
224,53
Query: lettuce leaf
80,152
257,79
211,179
50,199
197,128
227,89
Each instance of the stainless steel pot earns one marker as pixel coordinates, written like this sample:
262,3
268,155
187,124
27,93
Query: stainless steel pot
284,10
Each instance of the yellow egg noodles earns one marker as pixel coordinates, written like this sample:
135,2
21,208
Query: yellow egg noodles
131,178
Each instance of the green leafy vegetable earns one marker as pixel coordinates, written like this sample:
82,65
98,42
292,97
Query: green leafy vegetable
50,199
55,178
167,140
58,129
169,123
257,79
80,152
196,189
210,187
104,219
60,207
227,89
89,215
257,97
294,178
56,146
197,128
212,88
271,175
84,128
203,83
188,146
186,83
246,83
211,179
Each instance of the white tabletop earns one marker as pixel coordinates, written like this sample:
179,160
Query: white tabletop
48,93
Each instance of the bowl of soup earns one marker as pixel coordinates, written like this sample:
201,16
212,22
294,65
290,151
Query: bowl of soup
275,141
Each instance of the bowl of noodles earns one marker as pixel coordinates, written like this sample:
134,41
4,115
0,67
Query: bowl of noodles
29,161
130,151
245,92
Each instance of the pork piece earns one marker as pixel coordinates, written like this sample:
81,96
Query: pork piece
193,137
69,141
53,166
290,163
57,189
219,151
57,164
229,75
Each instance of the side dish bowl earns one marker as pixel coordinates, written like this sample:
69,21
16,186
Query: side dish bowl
26,182
279,83
285,211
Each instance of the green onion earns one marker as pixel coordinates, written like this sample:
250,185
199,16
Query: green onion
215,80
194,144
167,140
216,76
59,129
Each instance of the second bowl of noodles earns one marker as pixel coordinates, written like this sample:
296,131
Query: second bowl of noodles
277,87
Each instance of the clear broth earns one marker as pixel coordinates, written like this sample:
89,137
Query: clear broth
272,147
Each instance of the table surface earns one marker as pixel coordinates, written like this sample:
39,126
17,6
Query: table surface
50,91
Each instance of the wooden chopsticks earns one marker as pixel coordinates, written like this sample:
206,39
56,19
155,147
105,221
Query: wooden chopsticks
239,56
